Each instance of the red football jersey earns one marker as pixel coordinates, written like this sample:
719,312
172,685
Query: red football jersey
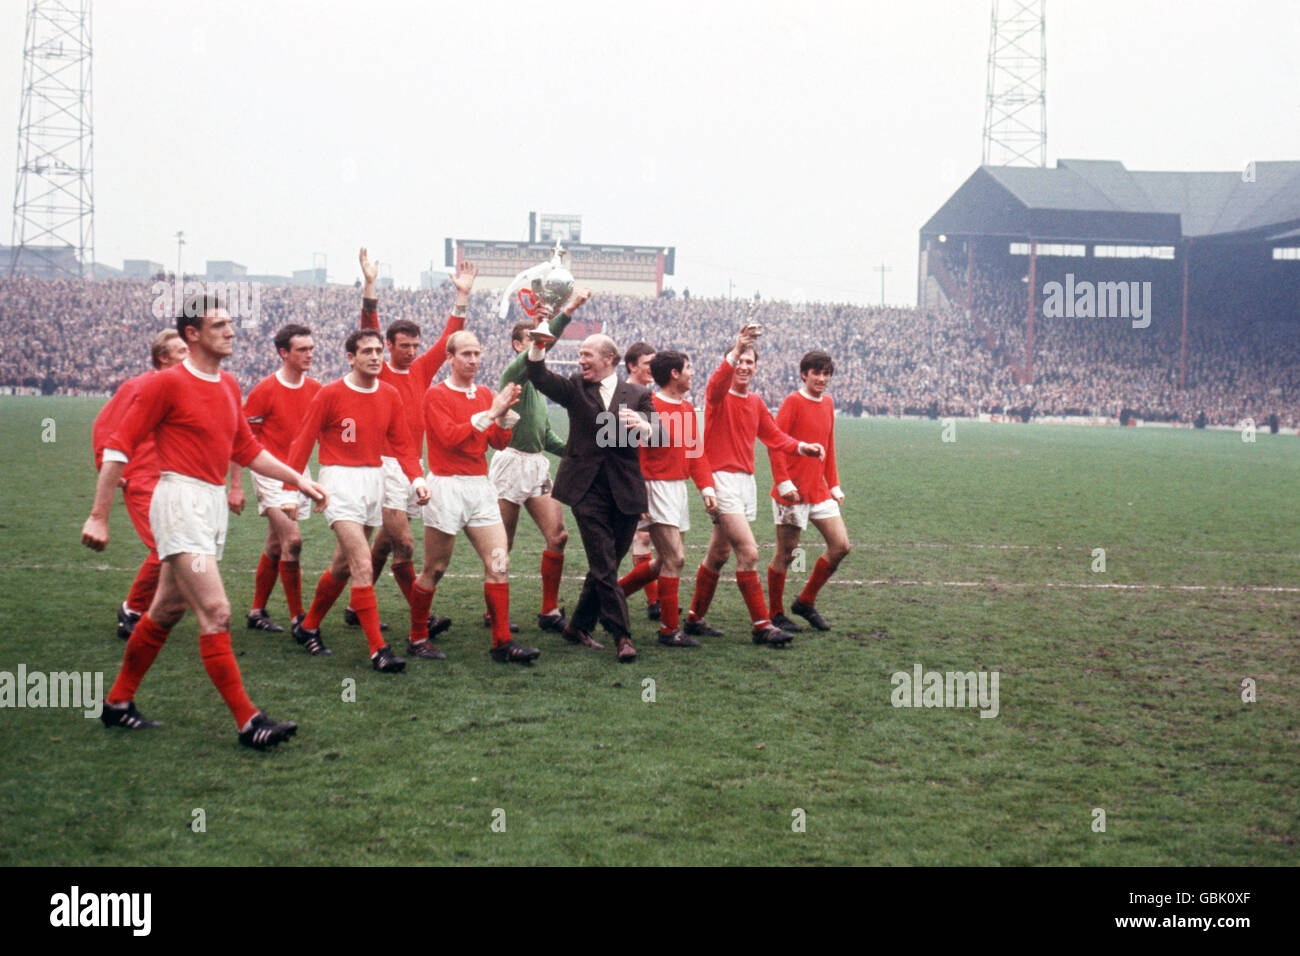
808,420
196,420
354,427
731,422
275,411
682,453
456,447
141,472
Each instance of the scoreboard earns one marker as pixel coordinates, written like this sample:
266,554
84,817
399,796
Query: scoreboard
620,270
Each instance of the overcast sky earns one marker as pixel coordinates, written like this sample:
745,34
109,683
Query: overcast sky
790,148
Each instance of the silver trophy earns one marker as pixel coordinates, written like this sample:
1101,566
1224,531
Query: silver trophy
548,283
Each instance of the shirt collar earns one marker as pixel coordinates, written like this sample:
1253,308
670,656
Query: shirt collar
301,382
809,397
467,392
397,371
610,381
358,388
197,374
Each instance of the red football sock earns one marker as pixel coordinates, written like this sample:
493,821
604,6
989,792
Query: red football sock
142,647
497,595
145,583
267,568
219,662
421,601
752,592
552,568
822,571
405,574
668,620
706,582
642,573
367,608
328,589
291,578
652,591
775,591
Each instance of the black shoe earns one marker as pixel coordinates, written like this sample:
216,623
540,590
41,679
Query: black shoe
437,625
425,649
127,717
297,620
126,622
310,640
772,636
653,611
263,622
553,622
785,624
809,614
677,639
351,619
265,732
487,622
511,652
698,628
387,662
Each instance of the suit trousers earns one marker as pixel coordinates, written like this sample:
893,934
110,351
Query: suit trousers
606,536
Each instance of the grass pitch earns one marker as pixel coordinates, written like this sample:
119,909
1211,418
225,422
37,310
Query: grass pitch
1119,690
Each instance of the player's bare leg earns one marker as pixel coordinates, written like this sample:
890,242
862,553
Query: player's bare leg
353,558
279,558
491,544
548,515
836,534
438,546
394,538
670,559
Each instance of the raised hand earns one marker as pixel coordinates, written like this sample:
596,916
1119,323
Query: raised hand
576,300
464,278
505,399
369,269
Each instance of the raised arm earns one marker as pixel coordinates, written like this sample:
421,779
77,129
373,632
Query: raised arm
555,387
369,298
426,366
517,370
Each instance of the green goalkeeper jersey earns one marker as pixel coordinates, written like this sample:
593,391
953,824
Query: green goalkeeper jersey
533,432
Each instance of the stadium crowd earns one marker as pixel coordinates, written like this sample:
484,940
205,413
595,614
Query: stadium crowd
72,336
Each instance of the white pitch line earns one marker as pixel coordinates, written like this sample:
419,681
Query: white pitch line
841,582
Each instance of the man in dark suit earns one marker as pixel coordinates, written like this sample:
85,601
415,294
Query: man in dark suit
600,476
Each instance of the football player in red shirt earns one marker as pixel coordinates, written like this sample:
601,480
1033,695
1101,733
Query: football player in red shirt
355,419
666,464
462,420
411,374
733,417
637,360
806,490
140,477
193,411
275,409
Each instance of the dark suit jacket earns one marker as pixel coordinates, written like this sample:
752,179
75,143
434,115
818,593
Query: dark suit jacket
584,455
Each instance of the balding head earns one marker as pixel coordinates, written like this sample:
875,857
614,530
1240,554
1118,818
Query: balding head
597,357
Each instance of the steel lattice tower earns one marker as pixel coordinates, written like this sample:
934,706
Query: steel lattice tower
1015,107
54,226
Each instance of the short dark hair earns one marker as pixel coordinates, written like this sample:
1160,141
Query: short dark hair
402,327
521,330
817,361
635,352
665,363
194,308
350,346
284,337
749,348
